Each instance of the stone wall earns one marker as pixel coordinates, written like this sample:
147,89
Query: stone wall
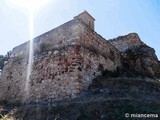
86,18
122,43
66,59
54,39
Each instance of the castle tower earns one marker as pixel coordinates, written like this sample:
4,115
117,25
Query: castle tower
87,18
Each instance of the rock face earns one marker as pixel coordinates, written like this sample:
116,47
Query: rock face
142,59
137,56
124,42
66,59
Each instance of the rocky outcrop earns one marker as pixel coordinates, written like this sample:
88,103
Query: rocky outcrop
122,43
143,60
138,58
111,99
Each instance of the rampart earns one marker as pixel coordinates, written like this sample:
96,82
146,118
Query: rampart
66,60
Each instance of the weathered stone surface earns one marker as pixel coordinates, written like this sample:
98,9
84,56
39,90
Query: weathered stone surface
143,60
137,56
66,59
124,42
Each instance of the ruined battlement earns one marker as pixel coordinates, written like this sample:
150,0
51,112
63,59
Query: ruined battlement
122,43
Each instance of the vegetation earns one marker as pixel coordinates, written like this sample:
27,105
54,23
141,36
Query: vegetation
3,58
92,108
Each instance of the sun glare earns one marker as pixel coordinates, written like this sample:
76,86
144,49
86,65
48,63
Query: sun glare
30,5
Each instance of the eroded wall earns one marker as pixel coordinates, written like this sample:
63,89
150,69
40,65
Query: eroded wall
66,59
122,43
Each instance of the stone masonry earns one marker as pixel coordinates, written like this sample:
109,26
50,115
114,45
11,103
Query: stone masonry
66,60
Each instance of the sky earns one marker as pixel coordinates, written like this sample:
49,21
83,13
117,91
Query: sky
113,18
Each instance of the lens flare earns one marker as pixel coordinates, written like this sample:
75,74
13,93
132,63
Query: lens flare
30,61
31,6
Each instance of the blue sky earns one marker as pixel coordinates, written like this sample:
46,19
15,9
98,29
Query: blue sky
113,18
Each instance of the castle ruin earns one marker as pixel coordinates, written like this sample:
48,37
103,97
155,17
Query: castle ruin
66,60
